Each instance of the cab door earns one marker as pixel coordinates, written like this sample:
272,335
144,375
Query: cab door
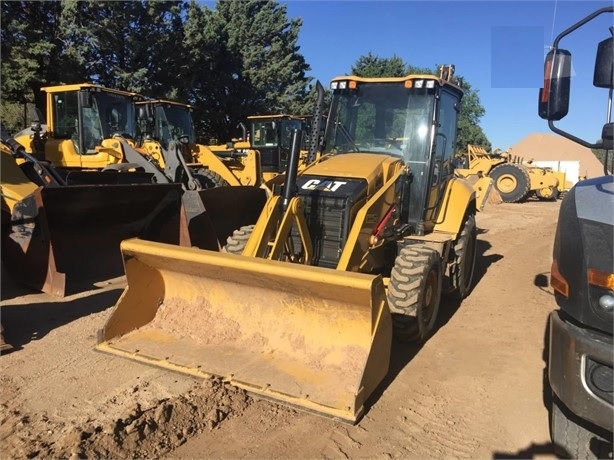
441,168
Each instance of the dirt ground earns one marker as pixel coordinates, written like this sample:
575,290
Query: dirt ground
474,390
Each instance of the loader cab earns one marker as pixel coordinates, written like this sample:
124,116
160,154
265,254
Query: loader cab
85,115
166,121
413,118
271,135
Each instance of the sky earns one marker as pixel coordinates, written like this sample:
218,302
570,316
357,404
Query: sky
497,46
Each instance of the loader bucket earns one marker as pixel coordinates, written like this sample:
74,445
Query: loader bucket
60,240
214,214
314,338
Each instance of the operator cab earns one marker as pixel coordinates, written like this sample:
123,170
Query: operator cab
413,118
271,135
166,121
87,114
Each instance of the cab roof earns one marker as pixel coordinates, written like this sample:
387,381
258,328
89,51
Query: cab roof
165,101
80,86
407,78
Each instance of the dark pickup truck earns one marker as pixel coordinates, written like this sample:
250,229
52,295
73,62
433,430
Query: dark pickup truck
580,349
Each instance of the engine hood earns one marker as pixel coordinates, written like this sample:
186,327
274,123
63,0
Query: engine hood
368,166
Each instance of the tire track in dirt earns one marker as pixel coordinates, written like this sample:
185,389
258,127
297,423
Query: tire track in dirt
433,419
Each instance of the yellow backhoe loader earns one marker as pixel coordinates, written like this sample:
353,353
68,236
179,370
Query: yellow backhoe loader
301,306
515,179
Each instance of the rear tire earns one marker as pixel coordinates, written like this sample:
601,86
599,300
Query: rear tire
236,242
571,440
463,264
414,292
511,181
208,178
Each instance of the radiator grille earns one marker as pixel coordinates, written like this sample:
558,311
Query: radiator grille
328,226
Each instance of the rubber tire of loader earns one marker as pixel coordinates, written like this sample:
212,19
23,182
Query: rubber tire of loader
414,292
572,440
463,263
236,242
208,178
512,182
547,194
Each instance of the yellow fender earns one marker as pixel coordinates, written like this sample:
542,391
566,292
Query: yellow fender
460,196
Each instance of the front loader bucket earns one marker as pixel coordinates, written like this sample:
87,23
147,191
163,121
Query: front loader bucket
310,337
61,240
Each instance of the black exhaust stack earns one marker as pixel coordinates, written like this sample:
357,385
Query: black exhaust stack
290,190
314,135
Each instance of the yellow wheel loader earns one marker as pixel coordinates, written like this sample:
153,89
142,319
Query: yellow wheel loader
515,179
61,231
166,127
90,127
271,135
300,307
85,127
88,141
104,136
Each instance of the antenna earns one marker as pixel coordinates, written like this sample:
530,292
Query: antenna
553,21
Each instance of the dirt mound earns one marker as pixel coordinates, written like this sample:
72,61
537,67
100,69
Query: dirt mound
144,432
543,146
494,197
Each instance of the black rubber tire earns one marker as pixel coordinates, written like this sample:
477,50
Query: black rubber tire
547,195
463,263
572,440
414,292
208,178
236,242
512,182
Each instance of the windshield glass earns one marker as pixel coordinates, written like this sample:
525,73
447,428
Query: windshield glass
381,118
110,113
174,122
264,133
104,115
274,133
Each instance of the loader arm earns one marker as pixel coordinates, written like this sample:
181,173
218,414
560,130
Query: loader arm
271,236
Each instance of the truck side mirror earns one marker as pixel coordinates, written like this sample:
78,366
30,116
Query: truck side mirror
604,64
554,96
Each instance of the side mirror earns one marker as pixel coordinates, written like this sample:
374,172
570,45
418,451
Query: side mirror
554,96
604,64
36,116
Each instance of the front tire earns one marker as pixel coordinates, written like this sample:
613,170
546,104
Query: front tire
572,440
236,242
414,292
208,178
512,182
